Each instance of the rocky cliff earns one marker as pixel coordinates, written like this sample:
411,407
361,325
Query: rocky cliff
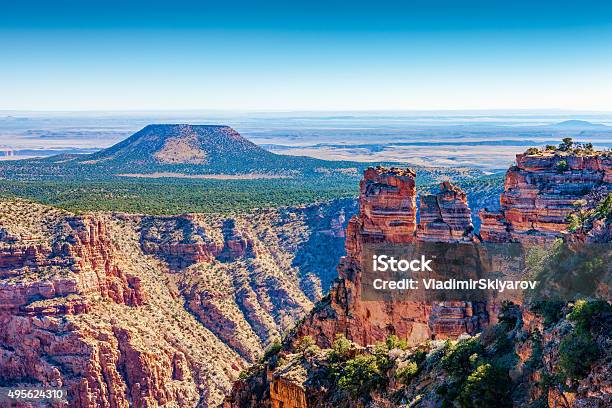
538,203
388,215
528,359
129,310
445,216
541,191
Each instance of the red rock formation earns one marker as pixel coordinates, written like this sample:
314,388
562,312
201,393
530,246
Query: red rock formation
83,247
387,205
108,367
539,193
21,256
445,216
235,244
387,214
178,240
287,393
71,316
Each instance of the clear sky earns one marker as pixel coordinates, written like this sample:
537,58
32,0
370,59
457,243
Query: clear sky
305,55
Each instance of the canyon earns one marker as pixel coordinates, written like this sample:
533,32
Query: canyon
137,310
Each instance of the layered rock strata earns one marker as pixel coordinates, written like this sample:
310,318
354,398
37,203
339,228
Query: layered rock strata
445,216
387,213
540,192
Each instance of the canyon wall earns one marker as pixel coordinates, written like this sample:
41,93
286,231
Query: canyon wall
538,196
129,310
539,193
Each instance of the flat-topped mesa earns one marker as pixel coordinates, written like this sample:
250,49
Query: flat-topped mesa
540,192
445,216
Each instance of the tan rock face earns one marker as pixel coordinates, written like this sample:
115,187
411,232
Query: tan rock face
539,193
445,216
287,394
83,246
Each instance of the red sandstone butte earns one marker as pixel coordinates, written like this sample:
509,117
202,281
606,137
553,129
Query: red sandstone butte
387,213
539,193
445,216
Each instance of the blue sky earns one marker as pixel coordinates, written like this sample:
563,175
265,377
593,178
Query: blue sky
76,55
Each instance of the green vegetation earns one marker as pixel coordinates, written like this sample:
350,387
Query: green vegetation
585,213
360,376
175,196
472,372
590,315
561,166
576,354
168,197
487,386
342,349
272,350
304,343
550,310
567,145
406,373
460,357
579,349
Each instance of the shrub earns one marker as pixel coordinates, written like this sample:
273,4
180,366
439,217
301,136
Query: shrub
394,342
587,314
304,343
576,354
381,354
566,144
488,386
562,166
360,376
407,372
551,311
460,358
537,351
272,350
551,148
510,315
532,151
341,349
604,208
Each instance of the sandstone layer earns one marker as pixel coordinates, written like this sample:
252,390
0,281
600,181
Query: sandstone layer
388,215
541,191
